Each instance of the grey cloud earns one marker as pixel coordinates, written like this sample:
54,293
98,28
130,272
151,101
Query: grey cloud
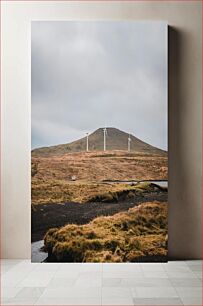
88,74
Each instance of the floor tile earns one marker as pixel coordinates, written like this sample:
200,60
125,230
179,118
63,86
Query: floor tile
112,282
70,267
178,274
121,267
28,292
36,279
65,273
88,282
117,301
171,283
9,292
155,274
196,268
155,292
158,301
153,267
116,292
15,275
185,282
6,268
192,301
193,262
4,301
47,267
92,267
147,282
72,292
123,274
61,282
176,263
11,261
21,301
89,279
177,268
90,275
198,274
69,301
189,291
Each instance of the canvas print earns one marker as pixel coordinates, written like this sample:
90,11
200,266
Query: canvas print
99,162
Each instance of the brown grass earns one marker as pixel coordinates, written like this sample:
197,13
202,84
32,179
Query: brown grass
62,192
52,176
98,166
125,237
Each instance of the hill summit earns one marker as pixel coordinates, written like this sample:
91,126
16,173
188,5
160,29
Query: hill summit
115,140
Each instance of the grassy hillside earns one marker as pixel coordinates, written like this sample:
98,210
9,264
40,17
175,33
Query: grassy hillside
115,140
61,192
130,236
52,176
99,166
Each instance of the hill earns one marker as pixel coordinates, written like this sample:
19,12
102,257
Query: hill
115,140
52,176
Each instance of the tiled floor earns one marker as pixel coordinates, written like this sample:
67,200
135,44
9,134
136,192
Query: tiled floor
173,283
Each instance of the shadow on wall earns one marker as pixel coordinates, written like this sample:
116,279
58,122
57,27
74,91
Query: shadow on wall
184,229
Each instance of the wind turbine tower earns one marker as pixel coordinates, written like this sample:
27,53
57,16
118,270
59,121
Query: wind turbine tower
129,141
105,133
87,142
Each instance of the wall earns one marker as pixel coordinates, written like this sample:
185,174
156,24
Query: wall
184,19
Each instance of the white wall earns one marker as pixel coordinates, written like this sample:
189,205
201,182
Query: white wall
184,18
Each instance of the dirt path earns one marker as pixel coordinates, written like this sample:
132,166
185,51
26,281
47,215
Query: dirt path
46,216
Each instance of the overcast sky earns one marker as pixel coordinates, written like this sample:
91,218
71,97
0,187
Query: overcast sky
86,75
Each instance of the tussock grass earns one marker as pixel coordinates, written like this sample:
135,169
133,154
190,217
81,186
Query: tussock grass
52,176
58,191
124,237
125,192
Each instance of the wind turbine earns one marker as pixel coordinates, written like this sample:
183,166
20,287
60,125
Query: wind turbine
105,134
129,141
87,142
